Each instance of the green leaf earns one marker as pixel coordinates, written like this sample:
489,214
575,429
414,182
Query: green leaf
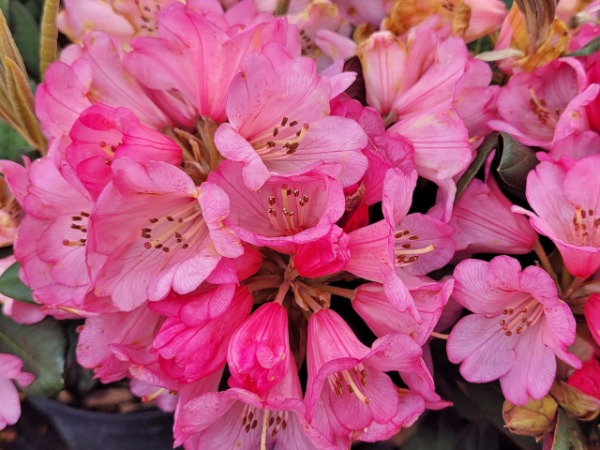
12,145
516,162
588,49
26,33
12,286
490,143
42,347
4,5
561,433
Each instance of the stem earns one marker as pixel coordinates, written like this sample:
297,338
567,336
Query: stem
574,285
206,129
439,335
341,292
539,251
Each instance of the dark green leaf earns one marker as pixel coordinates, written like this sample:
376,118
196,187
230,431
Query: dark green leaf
42,347
4,5
78,380
588,49
489,144
561,433
516,162
12,145
12,286
26,33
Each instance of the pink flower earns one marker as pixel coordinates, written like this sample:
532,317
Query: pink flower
285,212
102,134
62,97
415,244
259,351
102,334
192,345
359,392
592,67
20,312
279,121
371,303
587,379
592,316
564,200
546,105
358,12
53,234
430,297
10,369
208,48
112,84
483,222
237,418
575,146
154,230
81,16
326,256
519,327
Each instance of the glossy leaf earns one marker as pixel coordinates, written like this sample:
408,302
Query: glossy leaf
490,143
516,162
42,347
12,286
588,49
12,145
561,433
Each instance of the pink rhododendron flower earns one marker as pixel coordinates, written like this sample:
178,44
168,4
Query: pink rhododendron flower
101,335
483,222
358,12
62,97
208,47
326,256
430,297
154,230
81,16
414,243
53,234
102,134
519,327
112,84
191,345
575,146
546,105
10,369
587,379
20,312
592,316
359,392
259,351
442,150
279,122
564,200
238,418
286,211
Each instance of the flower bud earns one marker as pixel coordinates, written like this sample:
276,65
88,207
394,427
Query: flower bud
328,255
574,402
532,419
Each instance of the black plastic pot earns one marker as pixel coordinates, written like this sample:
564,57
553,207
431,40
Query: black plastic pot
90,430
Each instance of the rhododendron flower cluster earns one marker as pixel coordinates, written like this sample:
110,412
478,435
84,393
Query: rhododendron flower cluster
224,181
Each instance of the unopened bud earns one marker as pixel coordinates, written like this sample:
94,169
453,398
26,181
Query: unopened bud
574,402
533,419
